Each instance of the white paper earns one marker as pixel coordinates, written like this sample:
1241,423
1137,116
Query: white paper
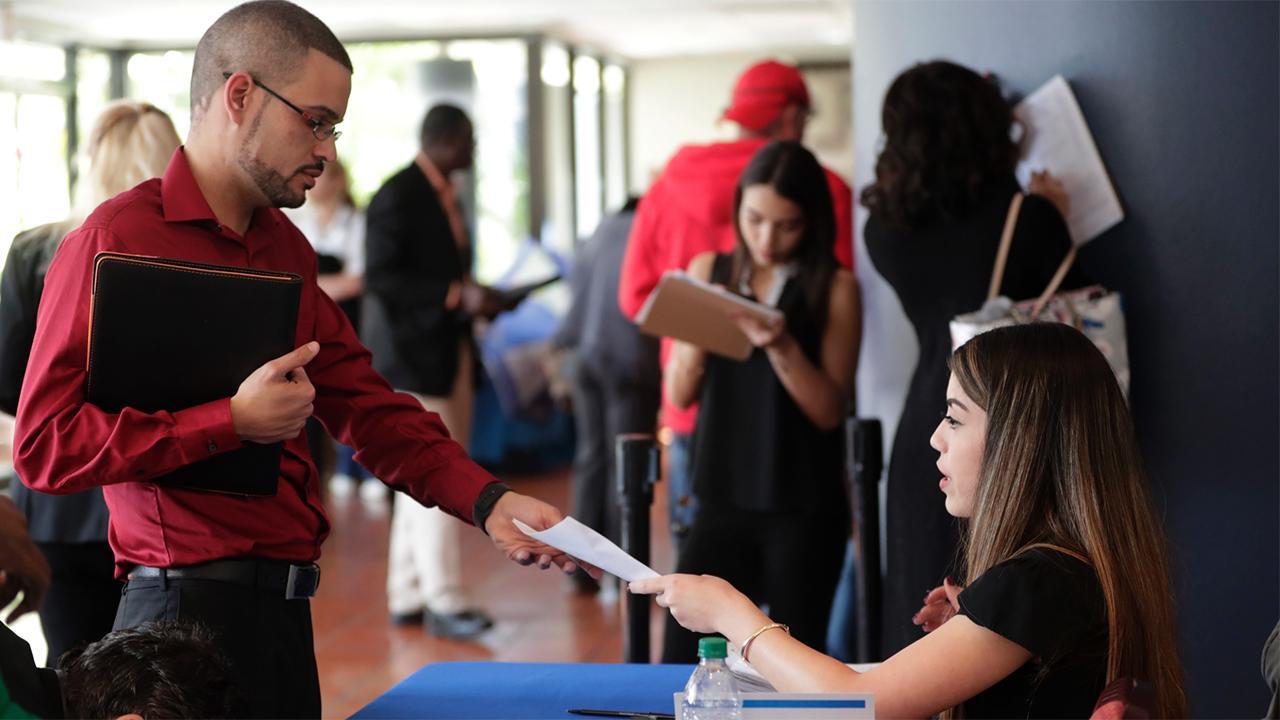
1059,141
582,542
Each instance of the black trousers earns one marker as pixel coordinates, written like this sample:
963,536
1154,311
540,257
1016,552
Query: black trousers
83,595
266,638
790,562
603,408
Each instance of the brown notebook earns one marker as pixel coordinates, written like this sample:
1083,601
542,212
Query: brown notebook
697,312
165,335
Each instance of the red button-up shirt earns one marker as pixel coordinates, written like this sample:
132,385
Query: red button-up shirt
63,444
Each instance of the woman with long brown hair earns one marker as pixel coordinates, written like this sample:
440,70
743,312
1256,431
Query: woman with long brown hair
766,461
1069,587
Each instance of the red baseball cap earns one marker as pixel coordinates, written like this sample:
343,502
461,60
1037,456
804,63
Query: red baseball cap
762,91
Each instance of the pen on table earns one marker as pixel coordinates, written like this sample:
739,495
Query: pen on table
623,714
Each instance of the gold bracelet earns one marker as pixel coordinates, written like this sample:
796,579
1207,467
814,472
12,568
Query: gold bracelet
746,646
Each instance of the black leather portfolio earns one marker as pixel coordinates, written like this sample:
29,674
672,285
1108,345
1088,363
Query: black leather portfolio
172,334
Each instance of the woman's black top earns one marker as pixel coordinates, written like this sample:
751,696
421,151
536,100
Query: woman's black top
938,271
753,448
1051,604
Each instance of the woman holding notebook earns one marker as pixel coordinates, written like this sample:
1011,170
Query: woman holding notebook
773,515
1068,585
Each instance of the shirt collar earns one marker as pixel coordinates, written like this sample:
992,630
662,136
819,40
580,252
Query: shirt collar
182,200
434,176
180,196
781,274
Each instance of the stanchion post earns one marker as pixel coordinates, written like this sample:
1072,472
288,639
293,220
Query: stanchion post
866,463
637,470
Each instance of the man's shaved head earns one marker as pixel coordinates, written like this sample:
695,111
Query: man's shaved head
269,39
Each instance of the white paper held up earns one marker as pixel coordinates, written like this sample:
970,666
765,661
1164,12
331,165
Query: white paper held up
1059,141
586,544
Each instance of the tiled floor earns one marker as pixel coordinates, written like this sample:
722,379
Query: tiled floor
539,617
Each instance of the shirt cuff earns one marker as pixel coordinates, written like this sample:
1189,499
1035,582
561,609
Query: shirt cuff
485,502
206,430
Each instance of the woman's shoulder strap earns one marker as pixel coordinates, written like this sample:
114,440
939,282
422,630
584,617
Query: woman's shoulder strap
721,267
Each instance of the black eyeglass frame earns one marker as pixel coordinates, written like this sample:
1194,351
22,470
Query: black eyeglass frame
318,126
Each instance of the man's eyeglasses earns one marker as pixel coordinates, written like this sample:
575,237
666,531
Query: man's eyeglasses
322,129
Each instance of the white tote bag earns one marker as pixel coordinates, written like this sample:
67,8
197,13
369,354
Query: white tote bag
1093,311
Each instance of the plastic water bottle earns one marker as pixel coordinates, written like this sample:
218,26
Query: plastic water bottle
712,692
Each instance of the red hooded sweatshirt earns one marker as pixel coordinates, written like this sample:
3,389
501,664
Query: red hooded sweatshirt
689,211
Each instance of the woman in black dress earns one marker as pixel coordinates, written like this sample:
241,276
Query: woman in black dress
944,182
773,515
1068,575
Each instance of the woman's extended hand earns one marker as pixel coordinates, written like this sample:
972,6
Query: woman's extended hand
703,603
940,605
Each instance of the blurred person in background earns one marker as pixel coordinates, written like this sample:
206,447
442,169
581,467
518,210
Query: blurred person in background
614,373
942,192
419,307
689,210
767,463
161,669
165,669
335,228
129,142
168,669
29,691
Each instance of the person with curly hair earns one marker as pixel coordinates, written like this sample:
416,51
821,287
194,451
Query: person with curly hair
943,185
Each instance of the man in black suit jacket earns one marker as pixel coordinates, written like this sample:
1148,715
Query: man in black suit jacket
420,301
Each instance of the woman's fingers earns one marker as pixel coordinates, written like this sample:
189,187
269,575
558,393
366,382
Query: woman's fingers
935,595
643,587
952,592
648,586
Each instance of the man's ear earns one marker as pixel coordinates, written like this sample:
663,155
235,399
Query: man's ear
235,97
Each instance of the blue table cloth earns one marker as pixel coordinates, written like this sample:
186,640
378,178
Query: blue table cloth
528,691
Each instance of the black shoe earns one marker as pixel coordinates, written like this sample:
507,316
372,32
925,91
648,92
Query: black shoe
410,618
457,626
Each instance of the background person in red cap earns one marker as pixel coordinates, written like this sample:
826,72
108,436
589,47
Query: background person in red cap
689,210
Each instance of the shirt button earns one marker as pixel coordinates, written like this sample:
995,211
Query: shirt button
213,447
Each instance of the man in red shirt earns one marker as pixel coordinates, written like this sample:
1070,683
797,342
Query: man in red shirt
689,210
269,84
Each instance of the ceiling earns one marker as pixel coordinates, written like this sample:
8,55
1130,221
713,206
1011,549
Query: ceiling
627,29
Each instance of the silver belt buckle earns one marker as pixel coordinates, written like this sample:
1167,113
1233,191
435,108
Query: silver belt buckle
303,582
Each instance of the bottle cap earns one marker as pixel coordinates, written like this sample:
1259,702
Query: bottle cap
712,648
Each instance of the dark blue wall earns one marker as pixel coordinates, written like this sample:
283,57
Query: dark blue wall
1182,100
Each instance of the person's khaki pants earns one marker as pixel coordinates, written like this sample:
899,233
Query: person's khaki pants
424,567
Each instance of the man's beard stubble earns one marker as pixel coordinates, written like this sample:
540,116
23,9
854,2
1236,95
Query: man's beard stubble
272,185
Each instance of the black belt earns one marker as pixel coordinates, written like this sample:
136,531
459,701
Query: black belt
294,581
